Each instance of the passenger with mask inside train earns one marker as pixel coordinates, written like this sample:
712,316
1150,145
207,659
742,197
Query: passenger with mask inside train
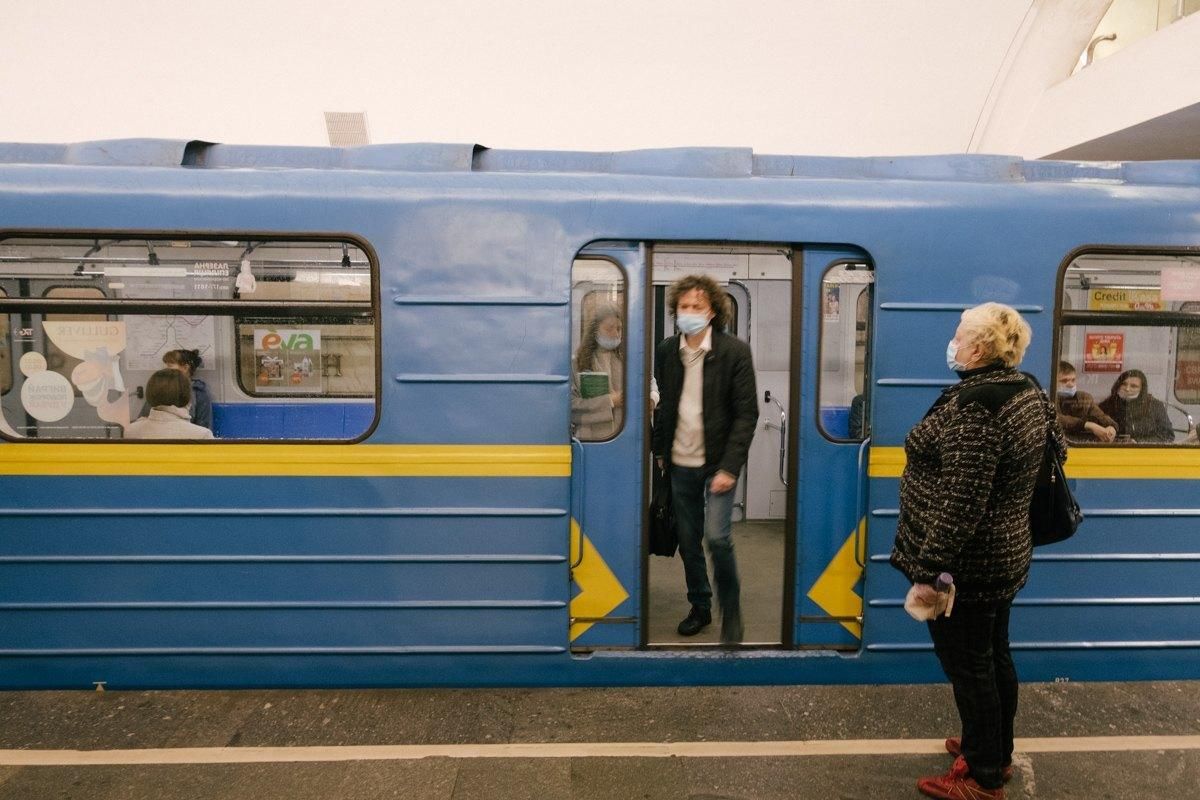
1078,412
1140,416
597,382
706,420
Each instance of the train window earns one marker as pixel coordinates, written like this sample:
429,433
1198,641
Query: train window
845,397
1129,349
280,336
598,347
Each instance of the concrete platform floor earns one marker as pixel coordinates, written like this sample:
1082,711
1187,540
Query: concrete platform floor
744,719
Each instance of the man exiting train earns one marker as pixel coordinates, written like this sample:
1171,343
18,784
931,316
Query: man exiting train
707,414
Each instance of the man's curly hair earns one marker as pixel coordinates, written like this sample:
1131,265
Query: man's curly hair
718,298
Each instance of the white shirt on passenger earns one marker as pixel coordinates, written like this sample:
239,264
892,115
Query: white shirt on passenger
688,448
167,422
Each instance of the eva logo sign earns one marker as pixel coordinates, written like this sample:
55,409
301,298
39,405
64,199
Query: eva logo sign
287,340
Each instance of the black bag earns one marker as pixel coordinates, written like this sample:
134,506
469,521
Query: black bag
663,538
1054,514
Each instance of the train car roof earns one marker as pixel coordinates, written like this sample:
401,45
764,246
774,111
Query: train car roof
687,162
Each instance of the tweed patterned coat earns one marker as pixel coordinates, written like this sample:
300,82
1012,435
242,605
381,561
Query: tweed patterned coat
966,488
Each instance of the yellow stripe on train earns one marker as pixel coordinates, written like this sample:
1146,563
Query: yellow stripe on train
1177,463
309,460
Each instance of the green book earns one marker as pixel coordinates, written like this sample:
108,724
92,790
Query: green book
593,384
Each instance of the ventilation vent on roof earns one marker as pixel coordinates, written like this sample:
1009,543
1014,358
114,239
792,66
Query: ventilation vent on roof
347,128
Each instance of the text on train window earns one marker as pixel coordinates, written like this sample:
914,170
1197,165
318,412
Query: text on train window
1129,349
276,339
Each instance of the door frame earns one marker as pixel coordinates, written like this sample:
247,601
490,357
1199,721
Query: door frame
788,600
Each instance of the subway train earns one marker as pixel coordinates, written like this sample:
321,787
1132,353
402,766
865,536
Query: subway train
396,491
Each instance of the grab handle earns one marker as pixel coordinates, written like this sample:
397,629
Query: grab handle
860,500
577,478
782,427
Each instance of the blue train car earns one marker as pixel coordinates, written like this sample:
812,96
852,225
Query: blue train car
397,491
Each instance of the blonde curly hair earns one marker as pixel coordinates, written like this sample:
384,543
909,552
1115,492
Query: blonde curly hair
1000,331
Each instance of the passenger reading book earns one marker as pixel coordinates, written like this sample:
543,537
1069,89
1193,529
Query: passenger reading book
597,380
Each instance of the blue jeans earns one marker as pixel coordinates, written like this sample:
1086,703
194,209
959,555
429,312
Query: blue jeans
702,516
972,645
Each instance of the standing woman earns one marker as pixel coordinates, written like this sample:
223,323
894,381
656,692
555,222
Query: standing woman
187,362
1140,416
599,416
964,509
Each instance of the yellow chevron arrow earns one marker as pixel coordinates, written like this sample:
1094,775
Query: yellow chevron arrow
599,590
834,590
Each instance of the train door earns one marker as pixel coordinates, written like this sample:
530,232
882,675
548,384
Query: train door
608,404
832,384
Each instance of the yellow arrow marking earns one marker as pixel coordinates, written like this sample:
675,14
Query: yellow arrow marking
834,590
599,590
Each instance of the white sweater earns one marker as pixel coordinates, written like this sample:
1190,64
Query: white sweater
688,448
167,422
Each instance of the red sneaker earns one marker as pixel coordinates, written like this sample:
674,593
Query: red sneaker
957,784
954,748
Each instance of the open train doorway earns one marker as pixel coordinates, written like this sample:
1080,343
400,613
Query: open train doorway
759,282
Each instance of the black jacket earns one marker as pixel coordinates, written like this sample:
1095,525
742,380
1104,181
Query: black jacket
1142,420
730,401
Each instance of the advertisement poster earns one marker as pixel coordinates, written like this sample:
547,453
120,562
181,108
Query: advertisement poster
1104,352
48,396
287,360
1187,366
833,302
1107,298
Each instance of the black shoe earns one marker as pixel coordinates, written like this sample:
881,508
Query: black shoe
697,620
731,629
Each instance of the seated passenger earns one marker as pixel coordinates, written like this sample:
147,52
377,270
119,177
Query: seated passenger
1078,412
187,362
168,393
1139,416
597,381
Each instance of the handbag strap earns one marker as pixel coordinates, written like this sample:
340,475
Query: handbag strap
1051,414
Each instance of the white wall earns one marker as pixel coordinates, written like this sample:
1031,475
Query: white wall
855,77
1155,76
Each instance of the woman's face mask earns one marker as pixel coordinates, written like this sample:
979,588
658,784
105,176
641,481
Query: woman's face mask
608,342
952,357
1125,393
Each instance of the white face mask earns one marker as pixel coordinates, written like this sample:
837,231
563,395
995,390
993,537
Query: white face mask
1064,391
692,323
952,357
1128,394
608,342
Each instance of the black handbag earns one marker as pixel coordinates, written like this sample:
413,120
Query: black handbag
1054,513
663,538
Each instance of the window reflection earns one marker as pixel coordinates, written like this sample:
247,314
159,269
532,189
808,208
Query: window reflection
598,350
